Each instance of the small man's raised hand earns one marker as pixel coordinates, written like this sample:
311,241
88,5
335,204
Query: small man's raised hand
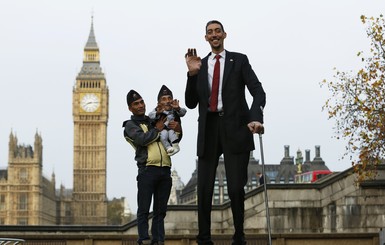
159,108
175,104
193,61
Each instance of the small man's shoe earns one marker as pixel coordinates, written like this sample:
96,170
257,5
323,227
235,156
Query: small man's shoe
175,149
170,149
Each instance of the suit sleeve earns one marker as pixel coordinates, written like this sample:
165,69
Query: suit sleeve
191,95
256,90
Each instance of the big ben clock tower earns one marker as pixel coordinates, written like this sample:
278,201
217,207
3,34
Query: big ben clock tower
90,115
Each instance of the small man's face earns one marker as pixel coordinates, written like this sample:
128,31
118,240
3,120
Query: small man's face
138,107
166,100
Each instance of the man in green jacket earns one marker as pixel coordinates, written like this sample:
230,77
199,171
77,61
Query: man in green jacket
154,168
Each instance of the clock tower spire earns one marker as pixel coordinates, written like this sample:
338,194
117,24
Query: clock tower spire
90,115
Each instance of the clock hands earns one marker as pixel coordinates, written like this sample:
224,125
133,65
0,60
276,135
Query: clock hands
91,102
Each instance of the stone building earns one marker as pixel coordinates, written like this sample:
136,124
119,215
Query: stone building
64,206
26,196
282,173
177,187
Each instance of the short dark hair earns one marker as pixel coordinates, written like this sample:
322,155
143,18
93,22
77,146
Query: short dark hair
214,22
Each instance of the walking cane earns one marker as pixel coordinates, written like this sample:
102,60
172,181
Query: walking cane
265,189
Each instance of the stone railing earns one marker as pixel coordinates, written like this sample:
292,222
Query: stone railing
84,238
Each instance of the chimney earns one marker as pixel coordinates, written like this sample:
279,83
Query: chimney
307,156
317,159
287,159
286,151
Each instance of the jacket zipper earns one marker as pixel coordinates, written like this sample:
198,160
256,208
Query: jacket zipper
160,153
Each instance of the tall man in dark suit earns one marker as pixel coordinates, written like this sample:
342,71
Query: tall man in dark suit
226,124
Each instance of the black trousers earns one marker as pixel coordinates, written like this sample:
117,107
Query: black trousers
236,175
154,183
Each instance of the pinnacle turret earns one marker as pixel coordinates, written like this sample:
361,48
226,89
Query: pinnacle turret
91,42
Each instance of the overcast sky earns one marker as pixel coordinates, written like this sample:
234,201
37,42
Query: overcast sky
292,46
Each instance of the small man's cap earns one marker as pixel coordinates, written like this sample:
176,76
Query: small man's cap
164,91
132,96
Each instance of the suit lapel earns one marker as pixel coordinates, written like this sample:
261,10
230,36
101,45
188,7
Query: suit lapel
229,62
205,84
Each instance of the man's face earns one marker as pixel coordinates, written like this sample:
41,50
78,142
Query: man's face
166,100
138,107
215,36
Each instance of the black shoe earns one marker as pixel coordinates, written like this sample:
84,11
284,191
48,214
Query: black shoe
145,242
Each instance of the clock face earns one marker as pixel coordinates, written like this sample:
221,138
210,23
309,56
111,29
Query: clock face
90,102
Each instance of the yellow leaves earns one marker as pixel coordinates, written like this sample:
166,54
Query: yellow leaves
377,83
357,104
363,18
363,73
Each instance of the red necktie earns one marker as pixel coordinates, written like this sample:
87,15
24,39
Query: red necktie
215,85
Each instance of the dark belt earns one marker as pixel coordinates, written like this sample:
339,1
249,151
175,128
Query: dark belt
217,113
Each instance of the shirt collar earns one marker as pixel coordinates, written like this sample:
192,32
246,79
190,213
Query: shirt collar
222,54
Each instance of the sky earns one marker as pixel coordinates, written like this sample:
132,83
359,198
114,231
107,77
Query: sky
291,45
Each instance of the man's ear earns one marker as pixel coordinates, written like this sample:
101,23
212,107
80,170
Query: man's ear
129,108
224,35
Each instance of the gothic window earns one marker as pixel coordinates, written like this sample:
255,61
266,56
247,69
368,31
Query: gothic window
216,186
22,221
83,210
23,174
2,202
93,209
225,193
271,175
23,201
216,192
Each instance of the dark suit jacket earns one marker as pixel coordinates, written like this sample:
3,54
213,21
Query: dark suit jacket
237,75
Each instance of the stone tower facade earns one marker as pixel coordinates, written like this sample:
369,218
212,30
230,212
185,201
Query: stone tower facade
26,196
90,116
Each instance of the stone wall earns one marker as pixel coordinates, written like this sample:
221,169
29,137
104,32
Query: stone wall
337,204
333,211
